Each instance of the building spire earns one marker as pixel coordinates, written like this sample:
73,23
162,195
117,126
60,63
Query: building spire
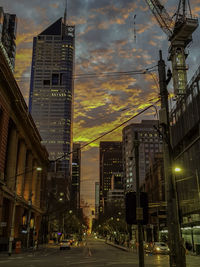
65,14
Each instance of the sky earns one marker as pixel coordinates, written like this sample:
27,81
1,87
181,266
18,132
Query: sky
111,36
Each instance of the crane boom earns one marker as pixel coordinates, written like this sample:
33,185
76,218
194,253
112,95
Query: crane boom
163,18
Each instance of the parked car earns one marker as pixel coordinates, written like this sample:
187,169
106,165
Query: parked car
65,244
71,239
160,248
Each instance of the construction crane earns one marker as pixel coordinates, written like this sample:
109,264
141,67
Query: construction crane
179,29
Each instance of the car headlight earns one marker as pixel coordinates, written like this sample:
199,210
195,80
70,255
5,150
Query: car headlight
158,248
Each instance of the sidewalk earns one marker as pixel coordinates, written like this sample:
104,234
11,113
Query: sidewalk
23,250
134,250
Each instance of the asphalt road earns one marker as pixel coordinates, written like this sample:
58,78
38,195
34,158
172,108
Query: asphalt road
95,253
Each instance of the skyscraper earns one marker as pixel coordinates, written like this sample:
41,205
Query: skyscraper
76,174
51,90
149,143
8,29
110,164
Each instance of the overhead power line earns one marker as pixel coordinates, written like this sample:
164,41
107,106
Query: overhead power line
108,132
105,74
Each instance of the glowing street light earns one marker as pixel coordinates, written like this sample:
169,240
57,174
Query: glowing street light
177,169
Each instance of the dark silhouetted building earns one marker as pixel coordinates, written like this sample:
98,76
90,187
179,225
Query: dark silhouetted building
110,163
76,174
149,143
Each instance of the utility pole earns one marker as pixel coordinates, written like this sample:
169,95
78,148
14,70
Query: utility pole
177,251
139,210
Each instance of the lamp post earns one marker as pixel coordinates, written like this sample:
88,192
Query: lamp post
11,237
177,255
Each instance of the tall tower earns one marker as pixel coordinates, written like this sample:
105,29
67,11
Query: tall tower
76,175
110,160
149,143
52,91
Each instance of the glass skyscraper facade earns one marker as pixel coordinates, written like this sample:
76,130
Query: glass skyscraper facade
51,90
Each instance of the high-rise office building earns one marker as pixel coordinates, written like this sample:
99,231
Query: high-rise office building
149,143
96,199
51,91
110,163
8,29
76,174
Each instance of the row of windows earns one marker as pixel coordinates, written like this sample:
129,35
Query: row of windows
54,142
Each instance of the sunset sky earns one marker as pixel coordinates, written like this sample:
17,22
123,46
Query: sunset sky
105,42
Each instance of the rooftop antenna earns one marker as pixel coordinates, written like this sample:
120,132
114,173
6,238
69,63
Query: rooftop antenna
65,14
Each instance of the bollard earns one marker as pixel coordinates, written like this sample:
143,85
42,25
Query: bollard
18,247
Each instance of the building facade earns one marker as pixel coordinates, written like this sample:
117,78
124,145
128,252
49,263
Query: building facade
185,129
96,200
22,185
149,144
110,159
8,30
52,91
154,186
76,175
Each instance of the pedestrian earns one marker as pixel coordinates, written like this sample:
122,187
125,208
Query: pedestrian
183,247
35,244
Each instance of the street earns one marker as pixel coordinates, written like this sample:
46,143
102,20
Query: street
95,253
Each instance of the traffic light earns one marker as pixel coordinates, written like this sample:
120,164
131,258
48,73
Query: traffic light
131,207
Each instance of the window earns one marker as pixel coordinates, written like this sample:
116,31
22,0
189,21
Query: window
46,82
55,79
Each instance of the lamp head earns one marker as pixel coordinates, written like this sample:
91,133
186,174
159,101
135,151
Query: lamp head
177,169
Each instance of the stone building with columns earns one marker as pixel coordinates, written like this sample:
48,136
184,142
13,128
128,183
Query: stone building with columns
22,185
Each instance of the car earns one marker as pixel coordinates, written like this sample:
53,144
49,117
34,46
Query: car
65,244
71,239
160,248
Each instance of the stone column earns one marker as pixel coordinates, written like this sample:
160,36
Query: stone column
34,184
28,176
1,211
18,220
21,167
4,119
38,189
12,158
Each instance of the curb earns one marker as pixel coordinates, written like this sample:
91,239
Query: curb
117,246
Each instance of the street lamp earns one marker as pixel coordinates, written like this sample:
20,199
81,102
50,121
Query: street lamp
11,238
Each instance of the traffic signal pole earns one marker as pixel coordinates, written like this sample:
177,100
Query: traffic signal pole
139,210
177,251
